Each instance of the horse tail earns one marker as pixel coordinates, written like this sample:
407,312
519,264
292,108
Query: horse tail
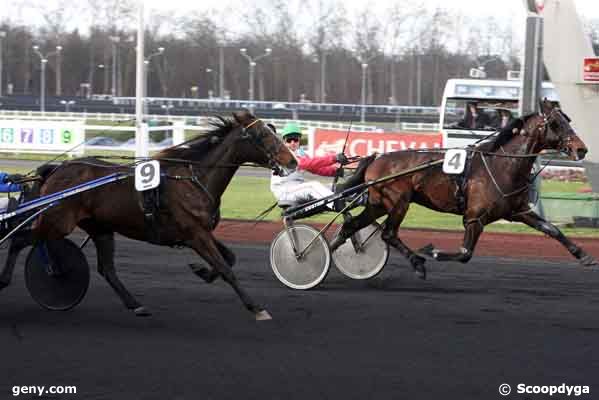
358,176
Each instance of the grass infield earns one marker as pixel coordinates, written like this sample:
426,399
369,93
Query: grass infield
246,197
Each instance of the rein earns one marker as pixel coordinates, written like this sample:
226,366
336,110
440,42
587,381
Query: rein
503,194
542,128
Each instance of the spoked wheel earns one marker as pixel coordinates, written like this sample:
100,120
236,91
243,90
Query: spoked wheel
311,268
364,255
57,274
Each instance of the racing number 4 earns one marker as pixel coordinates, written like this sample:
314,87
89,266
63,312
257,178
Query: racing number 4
454,161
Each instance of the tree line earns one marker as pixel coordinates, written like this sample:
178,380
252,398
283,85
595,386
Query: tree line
410,50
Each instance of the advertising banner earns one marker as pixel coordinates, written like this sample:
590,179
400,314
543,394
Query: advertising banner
591,69
40,136
323,141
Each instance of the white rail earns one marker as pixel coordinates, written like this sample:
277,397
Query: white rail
179,125
195,121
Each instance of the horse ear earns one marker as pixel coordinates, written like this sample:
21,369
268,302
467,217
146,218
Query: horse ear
545,106
243,117
238,117
541,107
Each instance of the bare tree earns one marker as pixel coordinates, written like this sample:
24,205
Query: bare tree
400,17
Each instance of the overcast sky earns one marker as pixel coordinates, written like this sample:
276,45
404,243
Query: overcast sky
510,11
503,8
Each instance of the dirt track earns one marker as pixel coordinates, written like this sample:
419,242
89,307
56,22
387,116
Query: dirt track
490,244
458,335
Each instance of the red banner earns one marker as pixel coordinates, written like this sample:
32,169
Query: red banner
325,141
591,69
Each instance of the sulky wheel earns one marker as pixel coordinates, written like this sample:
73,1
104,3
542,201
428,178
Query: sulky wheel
57,274
307,271
364,255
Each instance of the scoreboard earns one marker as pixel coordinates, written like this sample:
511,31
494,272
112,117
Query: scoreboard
40,136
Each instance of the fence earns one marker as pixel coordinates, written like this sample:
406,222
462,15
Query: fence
178,126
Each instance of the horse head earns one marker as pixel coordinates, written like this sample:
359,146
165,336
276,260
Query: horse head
555,132
261,145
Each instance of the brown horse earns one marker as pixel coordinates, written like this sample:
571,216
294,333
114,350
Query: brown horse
196,174
495,185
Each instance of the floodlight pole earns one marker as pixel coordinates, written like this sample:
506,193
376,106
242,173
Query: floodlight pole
2,36
141,132
252,66
364,65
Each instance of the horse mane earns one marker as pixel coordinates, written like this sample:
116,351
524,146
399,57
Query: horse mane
505,134
203,143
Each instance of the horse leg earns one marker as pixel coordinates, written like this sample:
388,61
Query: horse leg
473,231
17,243
104,243
389,235
354,224
535,221
206,246
206,272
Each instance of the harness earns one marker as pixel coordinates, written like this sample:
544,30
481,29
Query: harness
153,202
563,144
461,181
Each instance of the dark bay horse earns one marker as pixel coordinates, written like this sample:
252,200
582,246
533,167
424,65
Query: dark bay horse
196,175
495,186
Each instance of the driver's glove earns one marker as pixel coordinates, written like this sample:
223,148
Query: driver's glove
341,158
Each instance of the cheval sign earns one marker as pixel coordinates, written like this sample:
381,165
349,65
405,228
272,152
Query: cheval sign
326,141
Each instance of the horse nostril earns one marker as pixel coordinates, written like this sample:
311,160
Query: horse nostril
581,153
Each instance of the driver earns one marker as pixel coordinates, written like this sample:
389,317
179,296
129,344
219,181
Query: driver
293,187
6,186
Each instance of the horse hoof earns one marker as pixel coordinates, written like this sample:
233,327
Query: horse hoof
588,261
420,270
142,312
263,316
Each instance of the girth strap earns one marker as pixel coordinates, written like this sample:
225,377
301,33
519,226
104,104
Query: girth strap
150,203
461,181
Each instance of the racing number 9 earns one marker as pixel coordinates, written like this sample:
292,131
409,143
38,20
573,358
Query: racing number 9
147,172
147,175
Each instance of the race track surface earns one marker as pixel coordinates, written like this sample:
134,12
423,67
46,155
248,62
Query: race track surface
458,335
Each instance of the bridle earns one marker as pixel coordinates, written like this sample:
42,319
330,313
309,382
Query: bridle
543,128
564,141
258,142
